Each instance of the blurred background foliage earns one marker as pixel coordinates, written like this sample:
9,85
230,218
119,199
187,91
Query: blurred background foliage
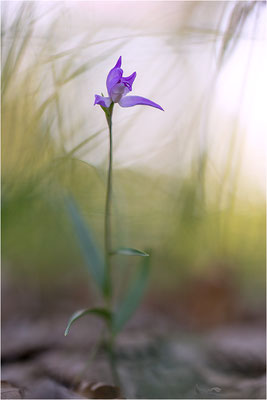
188,183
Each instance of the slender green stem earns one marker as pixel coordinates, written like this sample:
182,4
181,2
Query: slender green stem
113,362
107,234
91,357
108,249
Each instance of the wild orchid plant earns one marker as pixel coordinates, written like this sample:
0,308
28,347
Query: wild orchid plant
115,318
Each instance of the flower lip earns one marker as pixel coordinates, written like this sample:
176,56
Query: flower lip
130,101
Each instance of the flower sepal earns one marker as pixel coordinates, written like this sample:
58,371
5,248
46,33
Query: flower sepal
107,110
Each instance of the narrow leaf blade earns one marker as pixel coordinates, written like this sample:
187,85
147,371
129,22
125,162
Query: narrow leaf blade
94,260
127,251
133,298
100,312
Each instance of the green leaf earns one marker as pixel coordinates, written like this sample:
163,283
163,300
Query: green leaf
94,260
127,251
100,312
133,298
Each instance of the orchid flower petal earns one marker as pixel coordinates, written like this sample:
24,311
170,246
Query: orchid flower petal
130,101
113,78
114,75
118,91
129,80
102,101
118,63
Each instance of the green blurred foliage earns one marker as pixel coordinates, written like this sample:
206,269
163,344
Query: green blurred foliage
179,217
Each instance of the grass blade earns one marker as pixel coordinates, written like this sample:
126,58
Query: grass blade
100,312
127,251
132,300
94,260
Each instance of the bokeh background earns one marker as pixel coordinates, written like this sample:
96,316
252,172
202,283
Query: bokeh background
189,183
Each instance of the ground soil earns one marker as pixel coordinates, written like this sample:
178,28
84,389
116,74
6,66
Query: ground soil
158,354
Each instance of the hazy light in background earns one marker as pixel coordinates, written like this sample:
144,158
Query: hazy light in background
175,64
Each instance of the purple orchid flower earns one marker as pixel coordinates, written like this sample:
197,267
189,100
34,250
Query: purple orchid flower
118,87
